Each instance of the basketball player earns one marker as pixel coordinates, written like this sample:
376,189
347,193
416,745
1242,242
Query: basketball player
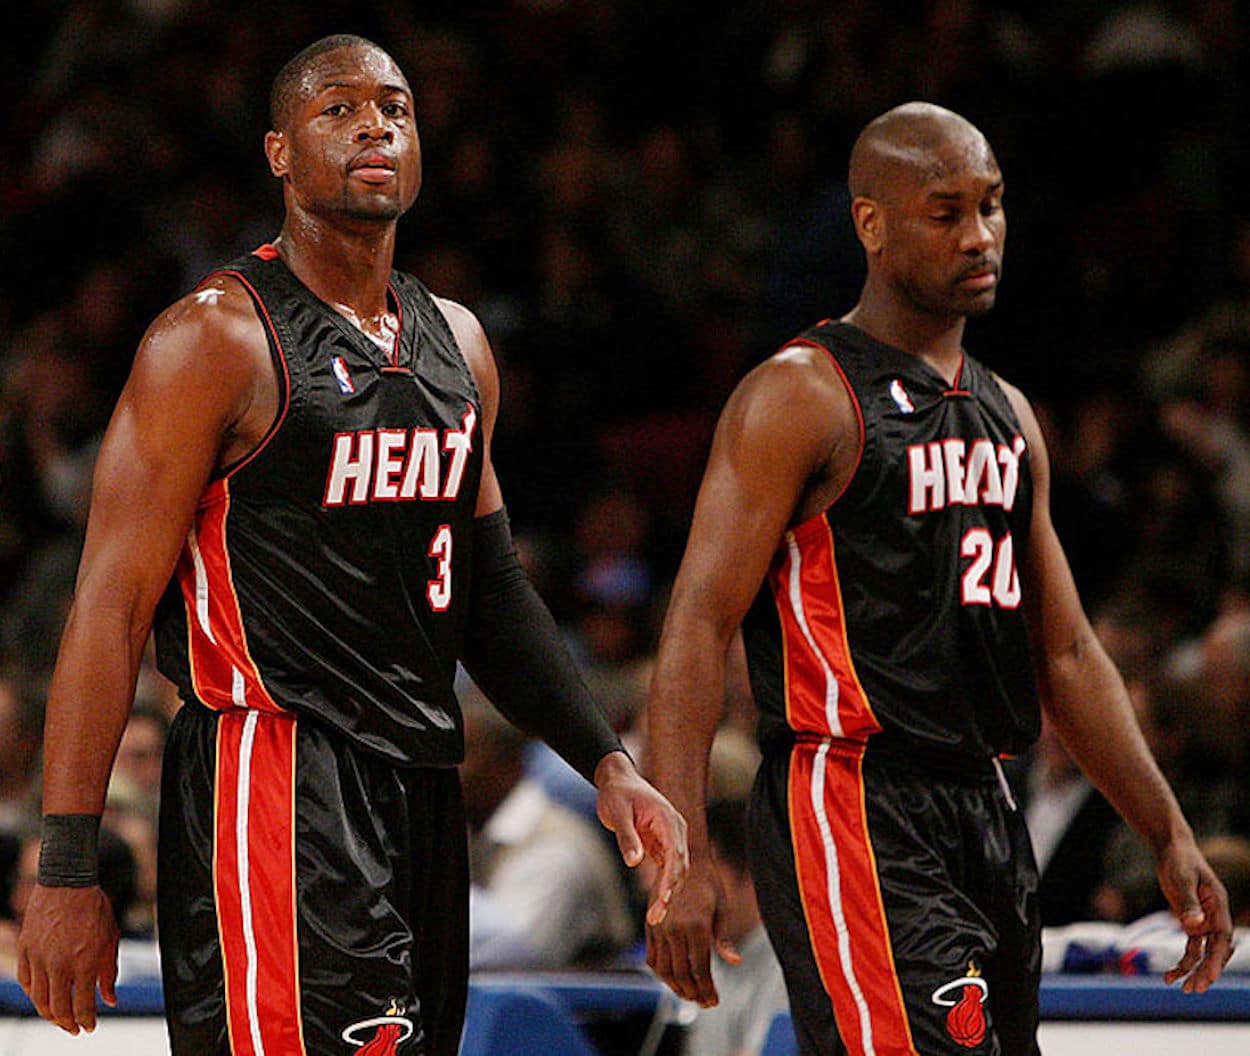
302,456
874,513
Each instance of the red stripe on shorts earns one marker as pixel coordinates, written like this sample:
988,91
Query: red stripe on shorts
837,877
254,882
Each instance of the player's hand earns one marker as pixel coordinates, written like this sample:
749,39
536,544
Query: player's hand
1200,903
679,948
646,825
68,946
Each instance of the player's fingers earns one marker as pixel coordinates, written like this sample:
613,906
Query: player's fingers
61,1002
1189,959
663,890
627,838
660,960
1219,948
23,969
36,987
108,978
83,998
700,971
727,951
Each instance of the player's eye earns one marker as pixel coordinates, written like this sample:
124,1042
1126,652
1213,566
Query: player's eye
395,110
335,110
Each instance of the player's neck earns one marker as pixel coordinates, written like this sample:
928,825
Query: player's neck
342,266
938,340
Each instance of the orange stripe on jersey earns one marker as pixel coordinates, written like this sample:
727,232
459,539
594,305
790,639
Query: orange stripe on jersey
223,673
823,692
254,882
837,877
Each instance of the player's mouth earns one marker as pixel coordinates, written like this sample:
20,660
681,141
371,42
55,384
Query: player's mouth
372,167
978,278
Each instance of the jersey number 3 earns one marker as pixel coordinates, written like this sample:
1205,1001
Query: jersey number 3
991,577
438,590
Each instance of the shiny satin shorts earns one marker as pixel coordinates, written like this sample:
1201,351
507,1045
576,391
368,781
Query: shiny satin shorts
313,898
903,906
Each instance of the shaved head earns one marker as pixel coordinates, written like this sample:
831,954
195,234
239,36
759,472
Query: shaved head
914,143
290,81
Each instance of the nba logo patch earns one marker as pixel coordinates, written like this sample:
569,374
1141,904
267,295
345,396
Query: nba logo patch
899,395
346,385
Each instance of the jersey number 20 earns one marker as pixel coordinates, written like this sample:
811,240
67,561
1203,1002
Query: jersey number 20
991,578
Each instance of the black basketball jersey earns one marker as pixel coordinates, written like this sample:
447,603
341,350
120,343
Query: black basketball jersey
895,614
327,571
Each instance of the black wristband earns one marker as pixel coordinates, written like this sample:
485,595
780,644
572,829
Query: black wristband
69,853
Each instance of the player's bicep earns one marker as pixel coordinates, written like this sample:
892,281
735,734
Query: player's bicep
775,434
1057,623
188,388
475,347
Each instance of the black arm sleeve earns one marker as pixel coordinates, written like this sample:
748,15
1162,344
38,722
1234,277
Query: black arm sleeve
514,651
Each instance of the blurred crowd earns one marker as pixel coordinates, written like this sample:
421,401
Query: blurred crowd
641,200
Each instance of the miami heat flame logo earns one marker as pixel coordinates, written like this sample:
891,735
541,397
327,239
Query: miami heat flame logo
965,997
389,1032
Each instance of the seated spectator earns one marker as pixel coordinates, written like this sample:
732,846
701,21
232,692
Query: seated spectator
21,725
752,991
1153,944
1069,824
547,892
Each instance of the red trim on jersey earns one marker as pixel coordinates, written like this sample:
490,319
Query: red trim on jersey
285,395
223,673
268,251
837,879
254,882
859,411
816,654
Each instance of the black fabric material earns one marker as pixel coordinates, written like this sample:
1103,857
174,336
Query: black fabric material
382,873
514,651
69,853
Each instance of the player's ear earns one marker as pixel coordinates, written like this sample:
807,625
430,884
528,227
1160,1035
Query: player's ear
277,150
869,220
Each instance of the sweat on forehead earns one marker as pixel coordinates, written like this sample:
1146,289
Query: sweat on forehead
917,141
291,79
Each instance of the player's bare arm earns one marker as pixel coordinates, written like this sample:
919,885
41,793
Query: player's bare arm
784,448
645,823
475,347
1085,697
201,393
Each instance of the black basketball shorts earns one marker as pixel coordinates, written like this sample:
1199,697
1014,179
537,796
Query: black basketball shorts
903,908
313,898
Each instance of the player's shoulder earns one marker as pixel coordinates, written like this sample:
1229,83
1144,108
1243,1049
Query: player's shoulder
1015,395
459,318
219,309
211,336
468,332
800,374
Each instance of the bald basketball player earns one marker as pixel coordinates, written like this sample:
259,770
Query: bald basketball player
874,515
301,464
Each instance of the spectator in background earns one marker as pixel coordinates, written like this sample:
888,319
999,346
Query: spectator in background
137,770
546,891
21,723
1069,825
1151,943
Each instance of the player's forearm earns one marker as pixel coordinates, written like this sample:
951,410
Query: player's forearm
88,702
514,651
1087,701
686,705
